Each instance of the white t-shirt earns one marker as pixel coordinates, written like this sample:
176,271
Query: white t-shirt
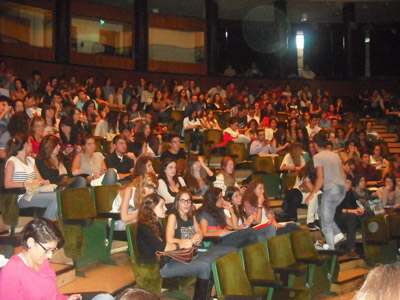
288,161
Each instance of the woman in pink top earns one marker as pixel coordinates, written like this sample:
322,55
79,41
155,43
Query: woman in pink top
29,275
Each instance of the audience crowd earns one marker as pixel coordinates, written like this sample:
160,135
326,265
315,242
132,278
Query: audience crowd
60,133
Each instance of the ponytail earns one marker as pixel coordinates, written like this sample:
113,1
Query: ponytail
16,144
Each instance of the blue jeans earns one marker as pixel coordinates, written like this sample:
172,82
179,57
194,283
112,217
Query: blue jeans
47,200
200,266
331,198
265,233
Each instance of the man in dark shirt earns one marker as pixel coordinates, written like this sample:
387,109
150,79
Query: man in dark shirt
242,118
194,105
176,153
119,161
366,170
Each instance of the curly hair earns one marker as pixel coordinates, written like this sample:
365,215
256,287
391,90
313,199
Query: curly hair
146,213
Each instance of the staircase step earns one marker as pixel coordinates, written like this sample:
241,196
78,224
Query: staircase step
390,139
373,120
381,130
377,126
65,273
394,150
347,263
349,280
388,135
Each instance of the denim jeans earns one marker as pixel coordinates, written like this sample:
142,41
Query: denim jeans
47,200
110,178
200,266
240,238
265,233
331,198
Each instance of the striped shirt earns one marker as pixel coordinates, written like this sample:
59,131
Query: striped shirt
23,172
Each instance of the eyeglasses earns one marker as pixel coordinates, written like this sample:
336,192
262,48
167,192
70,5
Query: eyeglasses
185,201
47,251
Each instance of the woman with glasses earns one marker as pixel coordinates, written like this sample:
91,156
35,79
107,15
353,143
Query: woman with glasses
29,275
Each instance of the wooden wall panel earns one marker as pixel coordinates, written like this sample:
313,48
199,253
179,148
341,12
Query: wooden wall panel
177,67
177,22
93,10
102,61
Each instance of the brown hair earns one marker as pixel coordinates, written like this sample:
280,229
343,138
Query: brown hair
140,166
250,196
190,180
16,144
295,153
148,180
229,179
47,146
146,213
178,196
33,121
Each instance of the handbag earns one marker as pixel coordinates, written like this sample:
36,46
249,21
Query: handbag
183,255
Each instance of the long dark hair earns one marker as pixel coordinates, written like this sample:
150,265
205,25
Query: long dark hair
47,146
250,196
238,210
164,165
140,166
19,122
146,213
190,180
184,190
45,108
112,120
42,231
74,136
209,205
308,171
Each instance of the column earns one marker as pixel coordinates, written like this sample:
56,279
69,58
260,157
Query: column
280,27
141,35
212,22
349,18
62,31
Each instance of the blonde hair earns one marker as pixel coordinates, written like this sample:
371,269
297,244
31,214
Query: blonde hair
295,153
382,283
148,180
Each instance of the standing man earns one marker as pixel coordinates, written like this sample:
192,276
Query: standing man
331,176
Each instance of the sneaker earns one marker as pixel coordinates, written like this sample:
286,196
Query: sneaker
312,227
317,224
321,246
338,238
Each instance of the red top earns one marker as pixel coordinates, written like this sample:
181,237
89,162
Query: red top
35,145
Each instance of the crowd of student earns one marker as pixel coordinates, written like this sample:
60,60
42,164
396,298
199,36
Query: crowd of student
49,130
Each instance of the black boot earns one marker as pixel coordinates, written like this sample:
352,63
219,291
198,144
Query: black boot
202,290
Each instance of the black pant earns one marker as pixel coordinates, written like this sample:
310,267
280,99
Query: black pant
291,202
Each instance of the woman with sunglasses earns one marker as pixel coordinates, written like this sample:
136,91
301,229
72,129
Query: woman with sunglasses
29,274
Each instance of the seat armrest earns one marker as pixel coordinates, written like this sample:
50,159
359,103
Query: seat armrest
331,252
276,284
212,239
79,222
287,271
13,191
312,260
111,215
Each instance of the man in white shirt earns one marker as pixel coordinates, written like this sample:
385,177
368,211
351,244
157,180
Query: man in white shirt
30,104
216,90
306,73
313,128
261,145
252,114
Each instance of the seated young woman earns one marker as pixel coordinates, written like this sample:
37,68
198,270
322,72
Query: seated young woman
70,140
169,183
151,238
255,201
233,196
293,161
91,165
21,172
198,177
36,128
214,223
226,176
193,126
129,198
233,134
390,192
29,274
51,166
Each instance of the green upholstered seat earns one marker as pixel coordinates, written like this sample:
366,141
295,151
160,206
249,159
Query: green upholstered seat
175,122
230,277
147,271
263,164
104,196
378,246
211,137
85,236
394,224
323,267
238,151
281,256
257,266
272,184
278,162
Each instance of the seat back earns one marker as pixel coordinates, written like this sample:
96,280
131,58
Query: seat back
263,164
288,181
75,204
213,135
104,196
9,209
177,115
238,151
278,162
257,265
376,229
280,251
394,223
131,233
302,244
230,277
